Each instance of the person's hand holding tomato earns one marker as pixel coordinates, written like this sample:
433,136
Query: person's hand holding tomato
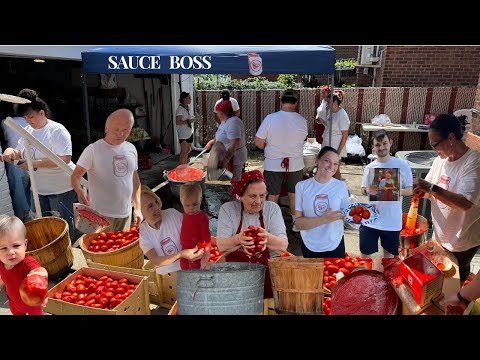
192,254
245,240
262,237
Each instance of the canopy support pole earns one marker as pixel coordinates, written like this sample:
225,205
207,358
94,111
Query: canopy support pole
83,79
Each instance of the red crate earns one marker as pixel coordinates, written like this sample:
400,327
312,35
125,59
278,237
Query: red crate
422,277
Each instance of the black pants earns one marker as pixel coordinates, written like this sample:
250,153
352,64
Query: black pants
464,258
339,252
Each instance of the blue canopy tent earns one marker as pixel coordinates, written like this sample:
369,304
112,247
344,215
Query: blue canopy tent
207,59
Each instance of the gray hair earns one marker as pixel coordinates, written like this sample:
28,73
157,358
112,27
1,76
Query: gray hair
117,112
8,223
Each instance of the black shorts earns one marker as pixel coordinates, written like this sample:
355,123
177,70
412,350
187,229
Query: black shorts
189,140
274,181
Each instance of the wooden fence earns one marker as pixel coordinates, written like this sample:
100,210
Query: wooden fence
402,105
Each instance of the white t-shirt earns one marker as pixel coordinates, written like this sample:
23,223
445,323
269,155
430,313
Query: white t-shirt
11,136
231,129
57,139
340,121
321,110
110,176
234,102
313,199
229,218
456,229
390,212
184,131
284,133
165,241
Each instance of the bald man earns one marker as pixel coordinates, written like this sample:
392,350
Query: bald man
113,181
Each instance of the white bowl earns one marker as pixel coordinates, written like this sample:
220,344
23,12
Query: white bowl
442,262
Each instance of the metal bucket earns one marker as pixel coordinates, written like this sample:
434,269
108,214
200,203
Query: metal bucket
175,184
230,288
407,243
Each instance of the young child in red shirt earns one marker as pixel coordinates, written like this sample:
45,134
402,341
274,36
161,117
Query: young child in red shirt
194,229
15,265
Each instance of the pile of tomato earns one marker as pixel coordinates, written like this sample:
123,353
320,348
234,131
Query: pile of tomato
254,233
113,240
331,266
214,254
102,293
185,174
358,213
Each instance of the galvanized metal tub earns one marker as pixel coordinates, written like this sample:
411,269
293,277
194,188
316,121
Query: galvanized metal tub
230,288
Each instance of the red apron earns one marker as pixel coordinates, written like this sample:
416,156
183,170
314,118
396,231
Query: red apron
319,129
241,256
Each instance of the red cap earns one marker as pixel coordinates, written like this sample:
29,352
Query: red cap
247,178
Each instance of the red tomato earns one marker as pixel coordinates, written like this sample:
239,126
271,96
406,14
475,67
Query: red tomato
102,236
357,219
34,289
71,288
359,210
327,301
332,268
339,262
352,212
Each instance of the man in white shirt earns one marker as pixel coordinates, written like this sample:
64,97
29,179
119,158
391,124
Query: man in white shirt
282,134
389,222
113,180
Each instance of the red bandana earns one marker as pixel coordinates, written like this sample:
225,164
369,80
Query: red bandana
247,177
224,106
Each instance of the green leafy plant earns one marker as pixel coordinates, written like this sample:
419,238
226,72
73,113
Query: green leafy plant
345,64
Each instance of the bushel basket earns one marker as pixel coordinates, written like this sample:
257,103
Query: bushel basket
129,256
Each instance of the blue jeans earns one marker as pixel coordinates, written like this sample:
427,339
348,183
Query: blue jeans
19,184
50,203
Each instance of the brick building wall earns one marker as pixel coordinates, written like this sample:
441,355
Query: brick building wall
412,66
5,200
346,52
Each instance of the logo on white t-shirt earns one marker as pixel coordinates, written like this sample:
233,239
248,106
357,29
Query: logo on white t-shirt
320,204
168,246
120,165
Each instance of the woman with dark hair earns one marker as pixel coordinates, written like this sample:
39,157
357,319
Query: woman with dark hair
235,217
339,125
321,225
53,183
184,119
225,96
453,186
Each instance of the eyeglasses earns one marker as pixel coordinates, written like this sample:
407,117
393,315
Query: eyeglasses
434,146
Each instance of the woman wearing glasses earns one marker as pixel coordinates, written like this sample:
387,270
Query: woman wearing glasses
453,186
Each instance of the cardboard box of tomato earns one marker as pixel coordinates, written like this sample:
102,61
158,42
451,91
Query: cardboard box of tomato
137,303
423,278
